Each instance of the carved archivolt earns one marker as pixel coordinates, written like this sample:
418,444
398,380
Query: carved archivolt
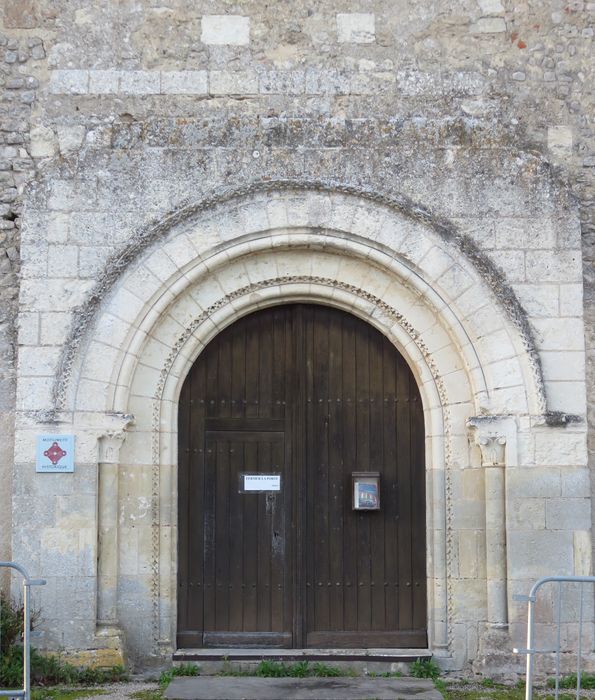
465,247
226,301
231,301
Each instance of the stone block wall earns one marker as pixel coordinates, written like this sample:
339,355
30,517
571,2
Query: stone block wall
114,117
20,54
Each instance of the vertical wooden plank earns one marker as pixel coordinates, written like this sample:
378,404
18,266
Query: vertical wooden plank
209,535
321,440
222,535
247,404
279,564
390,487
335,470
235,377
211,361
310,529
377,520
266,366
298,419
236,544
362,370
404,496
250,539
266,505
278,336
350,528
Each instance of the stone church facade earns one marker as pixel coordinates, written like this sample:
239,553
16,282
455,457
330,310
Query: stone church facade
170,168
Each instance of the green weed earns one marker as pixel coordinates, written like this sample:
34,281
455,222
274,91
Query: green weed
569,681
325,671
441,686
300,669
11,623
425,668
154,694
46,669
385,674
64,693
183,670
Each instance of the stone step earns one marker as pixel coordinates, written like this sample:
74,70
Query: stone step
212,661
185,655
243,688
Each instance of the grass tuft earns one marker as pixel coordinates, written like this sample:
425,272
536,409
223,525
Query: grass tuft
183,670
425,668
569,681
65,693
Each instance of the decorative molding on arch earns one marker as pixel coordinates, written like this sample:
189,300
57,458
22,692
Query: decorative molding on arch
305,279
159,638
399,275
465,246
184,300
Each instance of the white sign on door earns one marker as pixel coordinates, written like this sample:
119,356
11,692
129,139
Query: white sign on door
261,482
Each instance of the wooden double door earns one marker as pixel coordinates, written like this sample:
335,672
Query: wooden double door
310,394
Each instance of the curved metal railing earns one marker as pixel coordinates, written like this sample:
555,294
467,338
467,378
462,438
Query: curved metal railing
531,651
25,691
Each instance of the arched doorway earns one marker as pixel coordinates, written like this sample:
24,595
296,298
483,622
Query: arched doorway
311,394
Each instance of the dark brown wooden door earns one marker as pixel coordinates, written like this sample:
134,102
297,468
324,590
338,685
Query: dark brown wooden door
313,394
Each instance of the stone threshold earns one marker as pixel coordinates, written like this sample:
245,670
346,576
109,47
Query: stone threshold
258,654
205,688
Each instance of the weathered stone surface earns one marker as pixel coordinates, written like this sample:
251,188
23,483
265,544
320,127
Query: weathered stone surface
73,82
43,142
357,27
466,137
221,30
489,25
184,82
20,14
559,140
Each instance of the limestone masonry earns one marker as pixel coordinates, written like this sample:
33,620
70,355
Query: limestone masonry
168,167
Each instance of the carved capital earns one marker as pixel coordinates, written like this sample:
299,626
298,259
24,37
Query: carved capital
489,433
110,441
109,447
493,450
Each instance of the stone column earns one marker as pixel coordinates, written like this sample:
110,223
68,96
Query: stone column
109,444
489,434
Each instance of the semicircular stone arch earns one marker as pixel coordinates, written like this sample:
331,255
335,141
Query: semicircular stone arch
359,255
409,250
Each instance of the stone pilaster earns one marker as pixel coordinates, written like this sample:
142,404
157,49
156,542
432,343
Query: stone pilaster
493,436
495,439
109,444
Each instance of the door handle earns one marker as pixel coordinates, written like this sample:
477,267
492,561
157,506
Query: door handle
270,501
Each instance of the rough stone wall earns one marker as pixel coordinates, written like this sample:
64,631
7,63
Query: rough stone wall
113,69
142,107
19,52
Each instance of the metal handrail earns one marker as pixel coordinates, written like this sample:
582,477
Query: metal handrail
25,692
530,651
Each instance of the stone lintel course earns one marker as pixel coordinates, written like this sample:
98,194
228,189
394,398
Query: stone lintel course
312,81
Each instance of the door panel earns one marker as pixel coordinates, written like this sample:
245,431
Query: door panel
366,572
245,550
316,394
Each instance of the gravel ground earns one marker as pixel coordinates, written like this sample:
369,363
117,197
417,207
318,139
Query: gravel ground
123,691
